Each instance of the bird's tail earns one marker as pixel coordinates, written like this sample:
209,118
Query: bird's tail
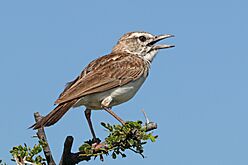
54,116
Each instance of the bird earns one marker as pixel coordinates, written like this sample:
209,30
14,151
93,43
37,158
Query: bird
109,80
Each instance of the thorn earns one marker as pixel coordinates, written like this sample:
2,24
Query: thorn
147,120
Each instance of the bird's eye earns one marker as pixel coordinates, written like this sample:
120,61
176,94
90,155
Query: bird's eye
142,38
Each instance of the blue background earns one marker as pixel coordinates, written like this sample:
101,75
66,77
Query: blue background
197,92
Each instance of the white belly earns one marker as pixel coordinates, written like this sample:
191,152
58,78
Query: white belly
119,95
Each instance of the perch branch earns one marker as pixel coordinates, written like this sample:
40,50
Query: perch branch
69,158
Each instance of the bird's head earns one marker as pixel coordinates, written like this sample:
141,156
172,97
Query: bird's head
141,43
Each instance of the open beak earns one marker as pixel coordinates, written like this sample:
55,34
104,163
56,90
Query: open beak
159,38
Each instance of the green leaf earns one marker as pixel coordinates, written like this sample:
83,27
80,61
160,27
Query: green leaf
131,136
25,151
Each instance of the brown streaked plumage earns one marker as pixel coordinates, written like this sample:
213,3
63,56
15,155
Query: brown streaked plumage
109,80
104,73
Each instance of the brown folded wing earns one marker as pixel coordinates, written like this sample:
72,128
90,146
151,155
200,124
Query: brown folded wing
104,73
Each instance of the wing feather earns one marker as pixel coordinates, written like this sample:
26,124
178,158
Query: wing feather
103,74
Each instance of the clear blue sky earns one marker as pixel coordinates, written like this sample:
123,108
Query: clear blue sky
197,92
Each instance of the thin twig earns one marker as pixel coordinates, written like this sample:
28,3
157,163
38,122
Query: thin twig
42,136
149,125
147,120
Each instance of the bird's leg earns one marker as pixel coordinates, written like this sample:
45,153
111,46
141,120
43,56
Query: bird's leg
106,104
87,113
114,115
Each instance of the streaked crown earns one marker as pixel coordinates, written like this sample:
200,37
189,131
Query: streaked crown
134,43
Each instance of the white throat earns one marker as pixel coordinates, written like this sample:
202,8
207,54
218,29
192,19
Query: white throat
151,55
